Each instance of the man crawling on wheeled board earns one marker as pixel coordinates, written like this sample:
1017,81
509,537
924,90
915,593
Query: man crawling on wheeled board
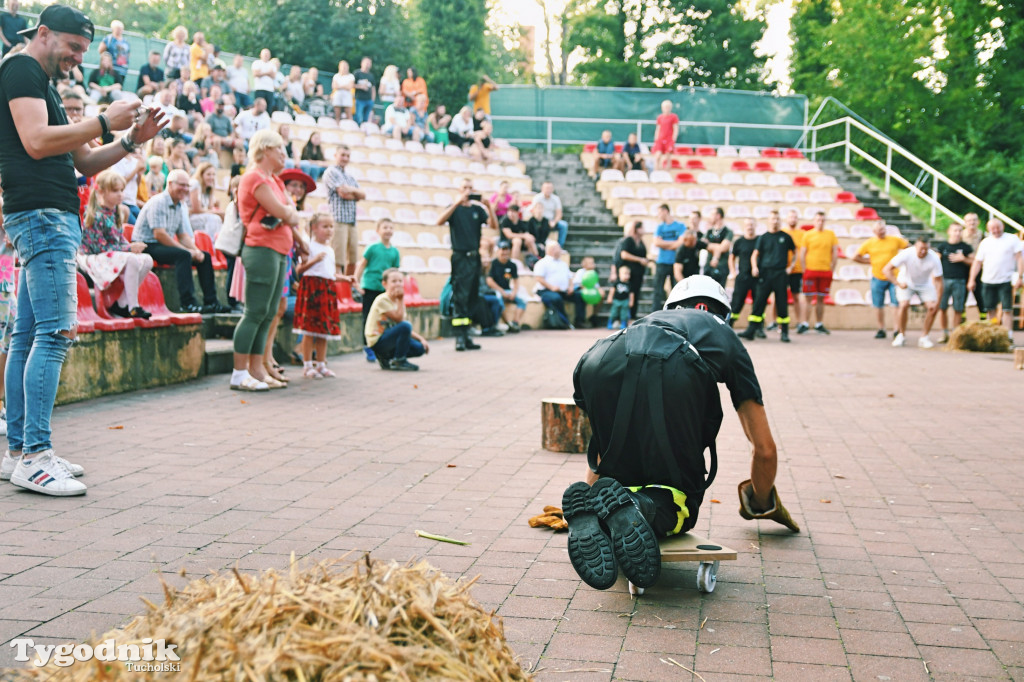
651,394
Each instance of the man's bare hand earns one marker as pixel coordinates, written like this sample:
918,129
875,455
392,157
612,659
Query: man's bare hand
121,113
154,123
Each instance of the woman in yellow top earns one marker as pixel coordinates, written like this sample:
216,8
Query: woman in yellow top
818,255
199,57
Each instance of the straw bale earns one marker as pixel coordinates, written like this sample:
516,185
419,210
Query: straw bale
981,337
326,621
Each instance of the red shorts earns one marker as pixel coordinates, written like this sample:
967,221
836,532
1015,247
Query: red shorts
817,282
663,147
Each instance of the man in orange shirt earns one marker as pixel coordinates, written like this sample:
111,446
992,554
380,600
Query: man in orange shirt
480,94
818,255
878,251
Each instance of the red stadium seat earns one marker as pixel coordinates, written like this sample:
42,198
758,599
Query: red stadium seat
618,147
127,230
204,243
151,297
867,214
802,181
706,151
807,228
88,314
590,147
695,164
846,198
771,153
676,163
105,299
685,177
413,297
345,302
793,154
688,151
740,166
764,167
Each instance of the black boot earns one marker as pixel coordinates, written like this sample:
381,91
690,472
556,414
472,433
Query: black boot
732,322
785,333
460,342
750,332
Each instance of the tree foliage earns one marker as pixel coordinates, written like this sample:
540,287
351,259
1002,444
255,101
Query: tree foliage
452,49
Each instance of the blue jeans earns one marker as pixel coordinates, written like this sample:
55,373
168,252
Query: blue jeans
397,342
47,241
563,230
133,212
364,107
243,100
312,170
878,289
556,301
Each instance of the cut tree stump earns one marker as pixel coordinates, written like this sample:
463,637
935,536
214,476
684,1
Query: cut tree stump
1018,358
564,426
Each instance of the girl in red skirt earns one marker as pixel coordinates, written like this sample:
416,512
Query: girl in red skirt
316,306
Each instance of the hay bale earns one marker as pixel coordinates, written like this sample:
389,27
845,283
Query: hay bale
980,337
369,620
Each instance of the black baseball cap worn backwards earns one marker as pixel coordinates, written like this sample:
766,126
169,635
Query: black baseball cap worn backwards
62,19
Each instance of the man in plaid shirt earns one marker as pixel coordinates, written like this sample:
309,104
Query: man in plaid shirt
343,192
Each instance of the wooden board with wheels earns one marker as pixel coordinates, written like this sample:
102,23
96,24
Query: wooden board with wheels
692,547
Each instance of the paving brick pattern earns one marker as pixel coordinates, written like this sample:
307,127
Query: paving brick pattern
904,467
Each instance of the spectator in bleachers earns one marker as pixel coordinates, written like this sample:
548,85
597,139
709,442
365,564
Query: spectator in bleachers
956,256
311,86
177,52
719,243
342,84
771,261
280,80
437,124
878,251
632,155
131,169
419,119
200,57
264,72
312,159
412,86
377,258
390,88
10,24
222,130
480,94
188,101
105,255
744,282
819,254
666,133
482,141
177,84
501,200
155,178
490,304
177,158
460,130
999,260
668,237
293,91
238,161
205,211
105,83
270,220
251,121
164,218
553,210
539,227
366,91
164,101
973,236
688,256
606,156
620,298
342,194
503,279
631,252
398,122
217,78
238,78
920,273
209,102
516,232
387,329
151,76
118,47
554,282
579,306
316,305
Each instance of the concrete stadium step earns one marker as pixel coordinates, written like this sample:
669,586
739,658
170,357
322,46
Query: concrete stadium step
218,357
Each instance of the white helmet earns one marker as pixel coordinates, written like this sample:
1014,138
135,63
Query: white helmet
698,287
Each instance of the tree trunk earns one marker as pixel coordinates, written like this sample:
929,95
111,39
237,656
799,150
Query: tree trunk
564,426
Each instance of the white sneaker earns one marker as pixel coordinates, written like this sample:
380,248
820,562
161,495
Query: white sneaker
46,473
7,466
501,327
925,342
900,340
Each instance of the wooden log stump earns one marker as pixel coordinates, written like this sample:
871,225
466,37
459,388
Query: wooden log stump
1018,358
564,426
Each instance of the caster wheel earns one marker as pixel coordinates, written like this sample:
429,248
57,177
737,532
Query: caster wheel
707,576
635,591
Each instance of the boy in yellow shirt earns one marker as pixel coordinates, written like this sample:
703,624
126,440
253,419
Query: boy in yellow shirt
819,252
878,251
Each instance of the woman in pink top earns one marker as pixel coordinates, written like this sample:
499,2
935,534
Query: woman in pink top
501,200
270,217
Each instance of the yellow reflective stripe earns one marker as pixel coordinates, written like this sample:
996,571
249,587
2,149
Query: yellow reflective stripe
756,318
461,321
782,320
735,316
679,497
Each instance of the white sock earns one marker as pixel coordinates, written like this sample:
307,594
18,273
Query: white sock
321,365
238,376
307,364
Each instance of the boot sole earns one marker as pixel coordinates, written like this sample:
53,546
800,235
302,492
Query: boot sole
633,540
590,548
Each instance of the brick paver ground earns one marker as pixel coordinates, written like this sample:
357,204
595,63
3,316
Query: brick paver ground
904,467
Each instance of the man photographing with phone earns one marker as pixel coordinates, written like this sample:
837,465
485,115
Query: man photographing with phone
464,218
40,149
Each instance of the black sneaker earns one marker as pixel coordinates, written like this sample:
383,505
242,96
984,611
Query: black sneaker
118,310
404,365
802,328
192,308
772,327
590,547
491,331
383,362
759,333
633,540
215,309
820,328
880,334
140,312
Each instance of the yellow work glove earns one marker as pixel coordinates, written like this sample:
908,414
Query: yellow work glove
776,513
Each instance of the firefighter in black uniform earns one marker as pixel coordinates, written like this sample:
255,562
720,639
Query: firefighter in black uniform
464,218
744,281
771,255
651,395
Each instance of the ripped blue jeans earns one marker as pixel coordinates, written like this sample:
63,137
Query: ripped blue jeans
47,241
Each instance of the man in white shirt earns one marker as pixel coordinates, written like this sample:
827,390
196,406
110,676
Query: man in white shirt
293,87
398,122
238,79
263,73
250,121
920,272
1000,261
554,282
553,210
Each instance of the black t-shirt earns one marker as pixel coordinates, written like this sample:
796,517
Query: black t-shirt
364,76
621,291
742,248
155,74
540,229
773,249
954,270
689,257
518,227
465,224
30,184
10,26
504,273
632,247
185,104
